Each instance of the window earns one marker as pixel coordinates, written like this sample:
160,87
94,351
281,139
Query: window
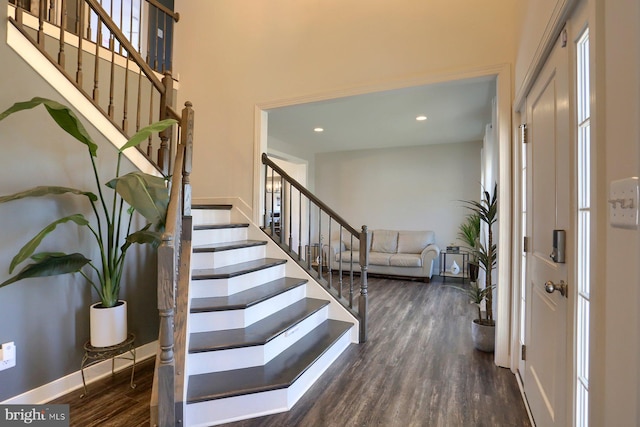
126,15
584,226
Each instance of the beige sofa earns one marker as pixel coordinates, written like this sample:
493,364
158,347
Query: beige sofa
394,253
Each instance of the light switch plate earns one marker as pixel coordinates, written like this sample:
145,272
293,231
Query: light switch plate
623,203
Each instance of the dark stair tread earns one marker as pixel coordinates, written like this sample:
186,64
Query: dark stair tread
211,206
279,373
220,226
260,332
246,298
235,269
227,246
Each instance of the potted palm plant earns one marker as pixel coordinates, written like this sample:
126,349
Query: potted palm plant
111,225
469,233
483,328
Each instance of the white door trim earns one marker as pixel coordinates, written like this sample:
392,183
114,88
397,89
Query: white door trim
561,13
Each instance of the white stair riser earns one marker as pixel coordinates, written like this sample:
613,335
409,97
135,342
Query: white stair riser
311,375
235,319
233,285
220,411
238,358
218,235
224,258
224,360
211,216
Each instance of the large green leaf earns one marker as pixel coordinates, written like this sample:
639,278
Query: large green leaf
146,193
29,248
46,191
62,115
145,237
144,133
50,265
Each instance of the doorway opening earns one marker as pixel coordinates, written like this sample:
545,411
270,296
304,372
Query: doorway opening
322,155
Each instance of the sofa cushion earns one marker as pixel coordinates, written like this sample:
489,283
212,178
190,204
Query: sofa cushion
347,242
385,241
346,257
405,260
414,242
379,258
376,258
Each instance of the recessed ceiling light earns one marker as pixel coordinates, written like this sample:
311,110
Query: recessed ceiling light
421,118
318,130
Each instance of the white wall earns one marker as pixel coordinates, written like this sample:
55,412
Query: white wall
409,188
296,154
232,55
619,294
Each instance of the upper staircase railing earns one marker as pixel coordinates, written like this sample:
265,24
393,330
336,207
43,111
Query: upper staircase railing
167,399
98,56
297,220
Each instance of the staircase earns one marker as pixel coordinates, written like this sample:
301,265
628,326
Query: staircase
260,329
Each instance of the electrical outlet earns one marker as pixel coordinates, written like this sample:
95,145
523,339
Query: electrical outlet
7,355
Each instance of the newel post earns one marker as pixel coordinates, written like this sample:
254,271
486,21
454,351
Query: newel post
365,238
166,304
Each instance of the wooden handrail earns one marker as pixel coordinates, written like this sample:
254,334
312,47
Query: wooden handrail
171,13
267,161
286,224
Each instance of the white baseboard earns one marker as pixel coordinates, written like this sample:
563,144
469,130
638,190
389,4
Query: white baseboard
73,381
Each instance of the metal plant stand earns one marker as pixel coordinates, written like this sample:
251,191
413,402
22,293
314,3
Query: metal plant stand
92,355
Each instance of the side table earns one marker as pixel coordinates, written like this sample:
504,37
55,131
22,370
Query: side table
93,355
444,272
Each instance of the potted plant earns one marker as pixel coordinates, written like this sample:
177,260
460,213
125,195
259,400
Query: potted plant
469,233
111,225
483,328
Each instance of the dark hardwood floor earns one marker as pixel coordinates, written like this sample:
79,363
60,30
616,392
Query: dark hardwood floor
418,368
111,402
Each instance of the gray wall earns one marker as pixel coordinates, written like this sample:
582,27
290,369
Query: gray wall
410,188
48,318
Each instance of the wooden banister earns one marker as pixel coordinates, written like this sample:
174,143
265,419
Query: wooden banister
116,69
281,228
173,282
128,47
174,15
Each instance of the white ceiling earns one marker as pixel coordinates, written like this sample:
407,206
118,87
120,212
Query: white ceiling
457,112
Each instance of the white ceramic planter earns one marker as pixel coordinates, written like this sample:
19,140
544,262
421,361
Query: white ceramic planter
108,325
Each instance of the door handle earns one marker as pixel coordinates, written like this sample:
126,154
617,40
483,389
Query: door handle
550,287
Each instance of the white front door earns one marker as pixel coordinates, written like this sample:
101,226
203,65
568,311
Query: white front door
544,371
